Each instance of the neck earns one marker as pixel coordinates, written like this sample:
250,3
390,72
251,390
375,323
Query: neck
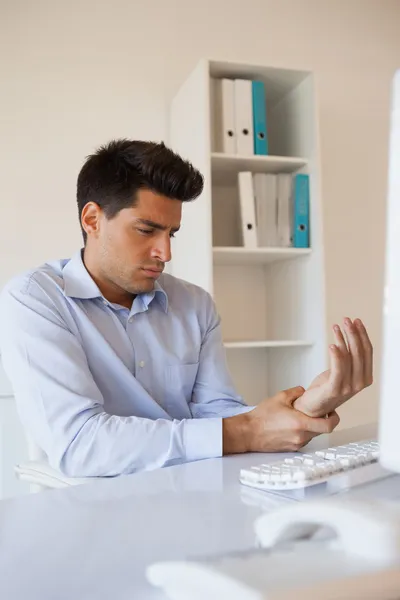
111,291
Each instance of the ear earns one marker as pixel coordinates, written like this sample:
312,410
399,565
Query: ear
91,219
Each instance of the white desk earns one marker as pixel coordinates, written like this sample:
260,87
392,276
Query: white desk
94,541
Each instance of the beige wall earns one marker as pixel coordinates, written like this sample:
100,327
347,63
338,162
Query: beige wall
76,73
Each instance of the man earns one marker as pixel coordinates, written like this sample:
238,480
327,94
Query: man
117,367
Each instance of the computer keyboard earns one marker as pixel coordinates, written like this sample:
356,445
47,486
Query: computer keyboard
304,470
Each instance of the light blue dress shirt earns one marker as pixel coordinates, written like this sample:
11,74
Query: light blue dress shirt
104,390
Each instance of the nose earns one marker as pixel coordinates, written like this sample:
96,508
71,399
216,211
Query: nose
162,250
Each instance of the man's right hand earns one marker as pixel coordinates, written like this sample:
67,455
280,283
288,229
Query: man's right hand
274,426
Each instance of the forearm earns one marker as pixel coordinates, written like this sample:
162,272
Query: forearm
108,445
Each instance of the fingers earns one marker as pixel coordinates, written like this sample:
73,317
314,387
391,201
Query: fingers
309,427
332,421
356,351
302,440
344,351
337,371
356,359
368,351
320,425
290,395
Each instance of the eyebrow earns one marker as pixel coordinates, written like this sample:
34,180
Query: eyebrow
155,225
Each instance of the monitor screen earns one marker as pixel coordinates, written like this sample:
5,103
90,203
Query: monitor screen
389,418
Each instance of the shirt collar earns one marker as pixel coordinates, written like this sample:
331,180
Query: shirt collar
77,281
159,293
79,284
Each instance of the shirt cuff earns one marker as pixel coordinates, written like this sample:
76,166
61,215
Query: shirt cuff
203,438
243,409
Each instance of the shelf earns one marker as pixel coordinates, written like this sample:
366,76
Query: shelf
267,344
278,82
231,255
226,163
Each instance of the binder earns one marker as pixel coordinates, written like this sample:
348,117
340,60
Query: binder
265,192
301,211
259,118
223,101
247,209
260,195
244,117
285,212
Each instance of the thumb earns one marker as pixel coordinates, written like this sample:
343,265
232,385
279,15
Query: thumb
323,424
290,395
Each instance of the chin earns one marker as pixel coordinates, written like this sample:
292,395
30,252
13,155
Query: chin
143,287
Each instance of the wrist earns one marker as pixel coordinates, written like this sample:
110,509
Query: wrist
306,410
236,434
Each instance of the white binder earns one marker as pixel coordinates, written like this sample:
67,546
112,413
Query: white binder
265,191
285,209
261,208
244,117
223,101
247,209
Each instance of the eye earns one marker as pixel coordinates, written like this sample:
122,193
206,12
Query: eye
145,231
172,235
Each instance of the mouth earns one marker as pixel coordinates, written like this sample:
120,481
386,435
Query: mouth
154,273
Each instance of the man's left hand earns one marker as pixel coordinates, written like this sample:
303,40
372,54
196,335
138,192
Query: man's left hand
351,371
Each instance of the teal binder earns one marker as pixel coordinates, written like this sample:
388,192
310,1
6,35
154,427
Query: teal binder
259,118
301,211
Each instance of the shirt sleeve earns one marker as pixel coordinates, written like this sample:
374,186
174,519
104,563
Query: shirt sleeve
62,408
214,392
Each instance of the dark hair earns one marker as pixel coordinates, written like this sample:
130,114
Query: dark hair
112,175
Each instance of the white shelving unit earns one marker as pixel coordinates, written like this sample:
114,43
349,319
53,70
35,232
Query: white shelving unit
271,300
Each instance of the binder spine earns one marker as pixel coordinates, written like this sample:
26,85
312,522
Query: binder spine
244,117
301,237
259,118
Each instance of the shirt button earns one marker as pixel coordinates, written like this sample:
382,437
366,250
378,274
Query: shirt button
141,364
130,319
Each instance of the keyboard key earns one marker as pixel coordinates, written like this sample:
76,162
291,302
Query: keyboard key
347,461
293,461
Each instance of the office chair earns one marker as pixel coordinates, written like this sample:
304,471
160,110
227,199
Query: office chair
40,475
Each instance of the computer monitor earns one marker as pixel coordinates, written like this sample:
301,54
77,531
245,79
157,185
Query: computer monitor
389,418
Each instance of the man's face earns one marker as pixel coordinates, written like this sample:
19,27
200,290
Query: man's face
132,248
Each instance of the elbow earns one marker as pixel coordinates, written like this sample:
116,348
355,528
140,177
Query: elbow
74,462
83,456
72,468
